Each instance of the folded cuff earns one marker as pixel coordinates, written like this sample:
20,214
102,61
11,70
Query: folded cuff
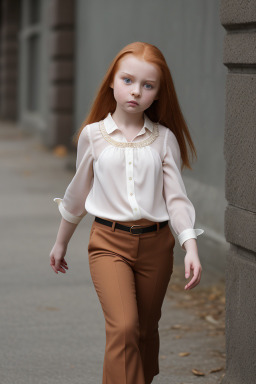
67,215
189,234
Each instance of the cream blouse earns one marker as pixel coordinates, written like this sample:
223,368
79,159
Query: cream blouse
125,181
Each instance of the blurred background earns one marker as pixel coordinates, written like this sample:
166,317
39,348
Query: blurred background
54,54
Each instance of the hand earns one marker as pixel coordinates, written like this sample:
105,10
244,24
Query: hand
192,261
57,261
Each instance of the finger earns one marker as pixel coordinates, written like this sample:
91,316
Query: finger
193,285
64,265
53,267
57,265
187,270
196,282
194,279
52,264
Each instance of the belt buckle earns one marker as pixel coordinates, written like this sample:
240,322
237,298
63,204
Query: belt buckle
135,225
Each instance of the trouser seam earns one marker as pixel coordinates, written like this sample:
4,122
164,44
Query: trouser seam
124,324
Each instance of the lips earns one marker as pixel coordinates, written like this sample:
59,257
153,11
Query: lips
132,102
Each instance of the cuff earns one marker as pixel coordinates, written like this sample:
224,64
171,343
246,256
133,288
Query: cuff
67,215
189,234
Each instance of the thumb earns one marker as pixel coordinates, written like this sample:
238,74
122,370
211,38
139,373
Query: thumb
187,270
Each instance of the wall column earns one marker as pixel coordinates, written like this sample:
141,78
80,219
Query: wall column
239,19
61,72
10,22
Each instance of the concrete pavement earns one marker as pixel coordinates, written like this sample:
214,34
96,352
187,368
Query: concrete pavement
52,327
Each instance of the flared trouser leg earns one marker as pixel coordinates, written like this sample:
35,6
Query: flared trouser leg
130,274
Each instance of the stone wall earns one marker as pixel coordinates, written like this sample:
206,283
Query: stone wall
239,19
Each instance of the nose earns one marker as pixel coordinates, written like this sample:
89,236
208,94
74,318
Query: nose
135,91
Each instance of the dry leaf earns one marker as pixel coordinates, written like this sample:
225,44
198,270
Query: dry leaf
216,370
211,319
184,354
176,326
197,373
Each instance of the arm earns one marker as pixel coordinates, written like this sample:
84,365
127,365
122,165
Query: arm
72,206
181,210
58,252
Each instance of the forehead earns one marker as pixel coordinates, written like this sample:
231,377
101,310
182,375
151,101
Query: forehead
135,66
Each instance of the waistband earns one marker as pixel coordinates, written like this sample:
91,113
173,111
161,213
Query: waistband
134,227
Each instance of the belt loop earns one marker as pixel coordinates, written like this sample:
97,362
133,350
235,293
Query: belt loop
113,226
157,224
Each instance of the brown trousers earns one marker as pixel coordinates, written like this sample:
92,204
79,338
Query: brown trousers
130,274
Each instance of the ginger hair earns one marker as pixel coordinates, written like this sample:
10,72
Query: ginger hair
165,110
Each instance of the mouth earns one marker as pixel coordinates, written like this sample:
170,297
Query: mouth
133,102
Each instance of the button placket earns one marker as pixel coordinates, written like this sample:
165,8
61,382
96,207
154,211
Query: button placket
130,183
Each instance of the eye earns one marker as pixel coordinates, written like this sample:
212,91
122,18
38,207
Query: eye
127,80
148,86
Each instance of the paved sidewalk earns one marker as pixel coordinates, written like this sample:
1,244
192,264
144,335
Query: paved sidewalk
52,327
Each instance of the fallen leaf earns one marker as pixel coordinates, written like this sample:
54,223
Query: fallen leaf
197,373
184,354
210,319
216,370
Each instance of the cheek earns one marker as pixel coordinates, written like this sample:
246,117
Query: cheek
119,91
150,97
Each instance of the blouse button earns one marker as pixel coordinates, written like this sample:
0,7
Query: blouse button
130,178
135,209
131,193
130,162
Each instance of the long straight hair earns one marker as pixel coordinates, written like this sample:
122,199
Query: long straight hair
165,110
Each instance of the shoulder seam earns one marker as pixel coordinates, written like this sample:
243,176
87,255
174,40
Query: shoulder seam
90,139
165,141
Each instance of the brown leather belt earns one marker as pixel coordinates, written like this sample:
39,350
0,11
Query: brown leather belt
131,229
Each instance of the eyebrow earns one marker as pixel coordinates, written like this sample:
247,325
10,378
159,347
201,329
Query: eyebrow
127,74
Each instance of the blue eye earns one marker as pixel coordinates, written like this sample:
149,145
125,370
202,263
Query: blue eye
148,86
127,80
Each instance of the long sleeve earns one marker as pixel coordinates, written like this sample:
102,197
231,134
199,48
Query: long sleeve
180,209
72,206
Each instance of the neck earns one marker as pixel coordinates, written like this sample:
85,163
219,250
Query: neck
123,119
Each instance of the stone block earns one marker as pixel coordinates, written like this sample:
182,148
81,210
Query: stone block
61,70
240,141
240,227
61,43
61,12
240,48
234,12
240,317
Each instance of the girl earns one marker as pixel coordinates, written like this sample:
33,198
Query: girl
131,150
